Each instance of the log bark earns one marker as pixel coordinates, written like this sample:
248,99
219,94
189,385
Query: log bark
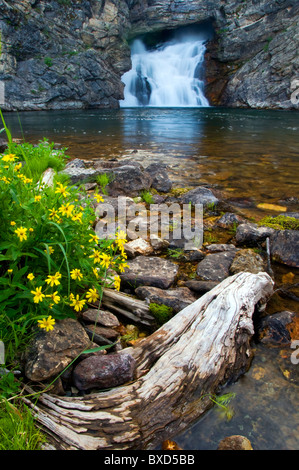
200,349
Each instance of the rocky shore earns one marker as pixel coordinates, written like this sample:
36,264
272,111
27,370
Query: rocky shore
162,271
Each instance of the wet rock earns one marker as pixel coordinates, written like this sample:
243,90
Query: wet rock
201,287
104,371
228,219
160,178
138,247
235,443
272,330
101,317
200,195
251,234
129,180
284,247
149,271
217,247
247,260
215,266
52,351
177,299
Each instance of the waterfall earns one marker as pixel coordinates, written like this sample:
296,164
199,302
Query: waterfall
169,76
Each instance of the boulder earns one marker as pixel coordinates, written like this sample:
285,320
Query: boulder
149,271
177,298
272,329
52,351
251,234
104,371
247,260
284,247
138,247
215,266
101,317
160,178
200,195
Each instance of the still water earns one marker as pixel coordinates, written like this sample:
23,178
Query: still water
247,154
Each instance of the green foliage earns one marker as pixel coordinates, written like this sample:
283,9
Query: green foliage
223,404
147,197
175,253
162,313
51,262
103,180
17,428
48,61
280,222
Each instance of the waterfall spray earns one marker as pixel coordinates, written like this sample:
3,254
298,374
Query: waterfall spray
169,76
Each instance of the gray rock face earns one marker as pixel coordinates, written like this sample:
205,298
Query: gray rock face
215,267
284,247
104,371
52,351
150,271
59,57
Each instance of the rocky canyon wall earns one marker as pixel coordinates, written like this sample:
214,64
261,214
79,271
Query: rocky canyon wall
69,54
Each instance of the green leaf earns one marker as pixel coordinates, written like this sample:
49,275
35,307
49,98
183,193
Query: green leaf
100,348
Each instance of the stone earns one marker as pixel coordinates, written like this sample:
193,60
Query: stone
177,298
272,329
284,247
228,219
128,179
215,266
101,372
160,178
47,178
200,195
201,287
158,243
235,443
52,351
247,260
101,317
150,271
102,331
217,247
251,234
138,247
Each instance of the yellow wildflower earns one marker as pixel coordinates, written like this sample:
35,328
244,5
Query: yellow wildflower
18,166
53,214
93,239
48,323
27,180
54,296
9,158
51,250
76,274
96,256
37,198
77,303
92,295
117,282
122,267
21,233
12,223
38,295
62,190
105,260
98,198
77,217
9,271
30,276
53,280
66,209
95,272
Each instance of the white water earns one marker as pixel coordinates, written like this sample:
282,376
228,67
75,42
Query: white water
166,77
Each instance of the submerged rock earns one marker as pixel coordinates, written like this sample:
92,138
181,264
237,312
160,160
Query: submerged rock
235,443
273,331
160,178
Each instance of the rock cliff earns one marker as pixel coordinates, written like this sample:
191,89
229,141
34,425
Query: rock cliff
69,54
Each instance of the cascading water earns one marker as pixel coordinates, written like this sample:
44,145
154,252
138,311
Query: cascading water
169,76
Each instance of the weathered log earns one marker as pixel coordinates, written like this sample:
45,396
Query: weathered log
178,366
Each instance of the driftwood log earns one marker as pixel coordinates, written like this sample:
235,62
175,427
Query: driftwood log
200,349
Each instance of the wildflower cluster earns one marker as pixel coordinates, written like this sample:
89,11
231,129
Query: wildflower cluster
52,264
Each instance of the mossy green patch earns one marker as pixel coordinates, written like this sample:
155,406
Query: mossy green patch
280,222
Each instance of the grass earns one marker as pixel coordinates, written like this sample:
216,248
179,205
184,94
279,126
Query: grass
147,197
103,180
